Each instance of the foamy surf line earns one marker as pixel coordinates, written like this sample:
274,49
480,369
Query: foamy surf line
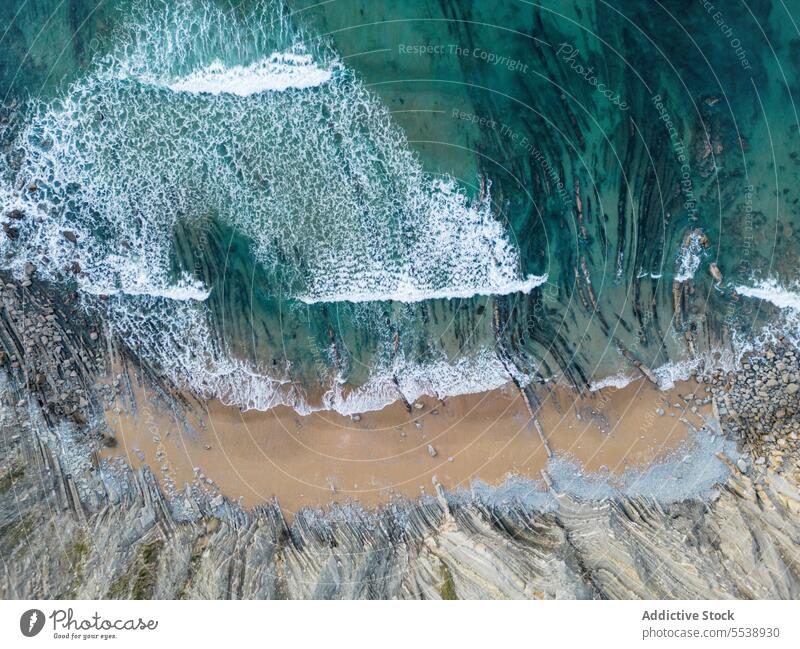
277,73
421,295
771,291
401,381
673,372
180,293
268,167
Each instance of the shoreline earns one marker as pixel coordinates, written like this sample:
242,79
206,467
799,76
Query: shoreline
316,460
129,536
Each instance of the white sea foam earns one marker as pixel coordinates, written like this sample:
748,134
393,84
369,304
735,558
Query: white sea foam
142,283
675,371
689,258
667,375
413,379
618,380
196,358
193,355
785,326
278,72
680,370
320,181
771,291
405,291
782,327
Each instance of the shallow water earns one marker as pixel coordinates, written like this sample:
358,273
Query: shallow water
339,205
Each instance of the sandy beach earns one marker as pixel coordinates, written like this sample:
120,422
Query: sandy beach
325,457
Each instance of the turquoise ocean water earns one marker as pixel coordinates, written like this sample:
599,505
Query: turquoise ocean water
346,203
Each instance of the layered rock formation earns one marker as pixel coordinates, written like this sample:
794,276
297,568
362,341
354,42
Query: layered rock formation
71,526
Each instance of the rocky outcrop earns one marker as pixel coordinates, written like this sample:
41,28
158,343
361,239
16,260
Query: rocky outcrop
131,542
73,527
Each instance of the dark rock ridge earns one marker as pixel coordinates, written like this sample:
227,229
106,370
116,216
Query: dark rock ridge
71,526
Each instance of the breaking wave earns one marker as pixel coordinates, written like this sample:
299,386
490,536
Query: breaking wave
280,71
196,358
771,291
192,116
319,180
783,325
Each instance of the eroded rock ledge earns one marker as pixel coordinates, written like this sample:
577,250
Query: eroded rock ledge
71,527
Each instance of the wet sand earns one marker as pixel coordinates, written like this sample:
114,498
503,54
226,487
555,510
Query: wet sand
325,457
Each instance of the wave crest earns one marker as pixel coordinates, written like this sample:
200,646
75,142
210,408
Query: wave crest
173,128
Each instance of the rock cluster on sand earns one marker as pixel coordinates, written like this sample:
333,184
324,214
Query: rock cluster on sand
759,404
